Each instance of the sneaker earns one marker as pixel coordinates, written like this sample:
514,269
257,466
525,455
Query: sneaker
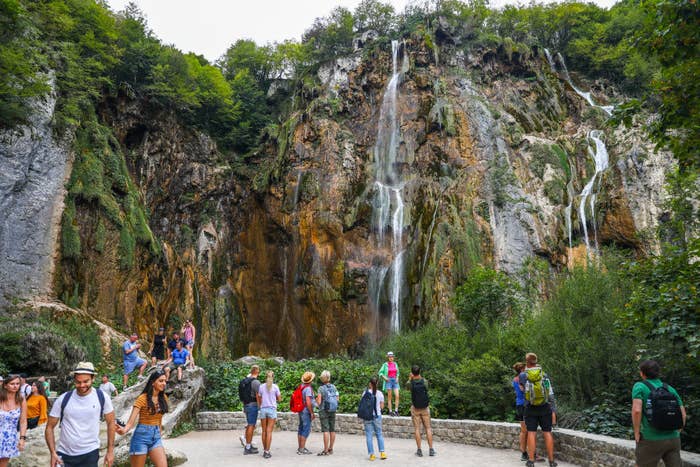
242,439
432,452
396,413
250,450
419,453
553,464
267,454
524,457
529,463
372,457
303,451
382,455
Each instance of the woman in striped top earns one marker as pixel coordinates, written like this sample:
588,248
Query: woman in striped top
149,408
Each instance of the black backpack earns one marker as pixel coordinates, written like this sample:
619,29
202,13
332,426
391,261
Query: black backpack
367,408
419,394
245,390
662,408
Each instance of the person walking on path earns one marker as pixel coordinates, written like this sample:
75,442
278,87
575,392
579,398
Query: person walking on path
327,401
79,412
248,393
177,361
540,408
13,412
306,416
130,351
107,387
148,408
268,397
420,410
37,406
657,437
373,427
390,374
157,349
518,368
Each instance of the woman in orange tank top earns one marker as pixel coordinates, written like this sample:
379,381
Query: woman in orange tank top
149,408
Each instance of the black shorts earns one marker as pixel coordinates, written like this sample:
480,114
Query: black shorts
538,416
519,412
84,460
159,353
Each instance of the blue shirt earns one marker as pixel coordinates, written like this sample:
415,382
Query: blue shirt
131,356
180,356
519,394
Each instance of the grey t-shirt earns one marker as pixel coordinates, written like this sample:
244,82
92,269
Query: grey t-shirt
308,392
254,388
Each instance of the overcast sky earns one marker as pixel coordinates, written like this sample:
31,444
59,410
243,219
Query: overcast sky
209,27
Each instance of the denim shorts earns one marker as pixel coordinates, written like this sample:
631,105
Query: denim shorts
304,424
129,367
268,412
251,413
391,383
144,439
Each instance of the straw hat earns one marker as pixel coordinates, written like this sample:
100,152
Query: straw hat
84,368
308,377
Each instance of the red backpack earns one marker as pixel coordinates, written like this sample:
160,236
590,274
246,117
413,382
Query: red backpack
297,403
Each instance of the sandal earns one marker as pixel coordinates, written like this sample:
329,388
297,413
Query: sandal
329,452
322,453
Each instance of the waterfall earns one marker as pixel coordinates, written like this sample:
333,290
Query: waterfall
552,66
599,155
388,203
300,173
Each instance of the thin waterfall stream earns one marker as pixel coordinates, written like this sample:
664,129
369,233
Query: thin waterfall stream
387,270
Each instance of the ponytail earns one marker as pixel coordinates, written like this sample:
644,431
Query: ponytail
373,384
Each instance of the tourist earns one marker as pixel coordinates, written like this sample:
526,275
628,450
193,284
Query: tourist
420,410
172,343
25,389
248,390
37,406
157,349
177,361
306,416
131,358
13,409
655,442
148,408
327,400
540,408
518,368
107,387
189,333
268,397
46,383
374,427
79,412
390,374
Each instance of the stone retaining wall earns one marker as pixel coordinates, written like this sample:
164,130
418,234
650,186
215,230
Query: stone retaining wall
577,447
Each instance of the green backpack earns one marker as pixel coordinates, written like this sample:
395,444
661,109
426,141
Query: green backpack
537,387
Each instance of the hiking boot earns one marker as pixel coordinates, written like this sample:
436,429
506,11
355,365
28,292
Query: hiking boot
524,457
382,455
250,450
372,457
419,453
529,463
432,452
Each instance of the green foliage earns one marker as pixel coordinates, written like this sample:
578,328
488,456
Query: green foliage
330,37
127,248
70,235
486,296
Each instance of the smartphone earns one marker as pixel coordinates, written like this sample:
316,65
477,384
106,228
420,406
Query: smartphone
120,423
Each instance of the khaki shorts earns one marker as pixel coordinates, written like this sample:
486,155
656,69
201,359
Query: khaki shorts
420,416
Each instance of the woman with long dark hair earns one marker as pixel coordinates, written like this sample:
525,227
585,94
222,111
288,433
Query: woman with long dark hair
149,408
374,426
13,409
37,406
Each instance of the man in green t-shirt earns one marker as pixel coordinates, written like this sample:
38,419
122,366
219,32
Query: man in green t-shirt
653,444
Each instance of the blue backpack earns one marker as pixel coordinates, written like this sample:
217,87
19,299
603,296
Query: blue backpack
330,401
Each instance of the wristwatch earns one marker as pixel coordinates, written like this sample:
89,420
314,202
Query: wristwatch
23,437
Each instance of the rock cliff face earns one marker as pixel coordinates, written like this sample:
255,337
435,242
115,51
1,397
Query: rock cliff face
273,254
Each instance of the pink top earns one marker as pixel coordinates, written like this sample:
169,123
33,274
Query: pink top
392,369
189,334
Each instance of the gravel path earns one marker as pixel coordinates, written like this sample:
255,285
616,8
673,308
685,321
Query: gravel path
222,448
